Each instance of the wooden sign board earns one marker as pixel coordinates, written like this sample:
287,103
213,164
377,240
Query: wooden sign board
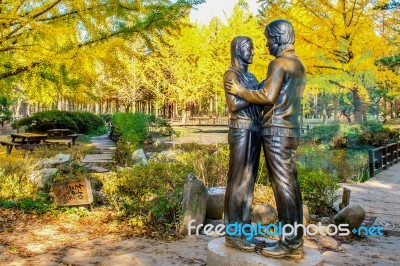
71,193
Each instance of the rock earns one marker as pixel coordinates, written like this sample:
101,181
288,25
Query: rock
310,244
150,155
353,215
313,217
215,202
168,156
213,222
94,168
194,204
325,220
100,198
58,160
138,157
306,214
327,242
345,247
263,213
157,143
120,168
40,177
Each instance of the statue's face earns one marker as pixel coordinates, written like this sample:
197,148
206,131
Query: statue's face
247,52
272,45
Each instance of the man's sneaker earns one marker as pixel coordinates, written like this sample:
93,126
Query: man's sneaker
283,251
239,243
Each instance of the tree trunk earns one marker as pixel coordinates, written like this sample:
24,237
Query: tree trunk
335,109
384,110
216,104
301,115
357,104
315,109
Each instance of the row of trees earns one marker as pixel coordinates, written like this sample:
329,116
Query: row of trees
147,56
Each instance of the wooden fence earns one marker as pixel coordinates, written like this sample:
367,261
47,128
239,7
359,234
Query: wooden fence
383,157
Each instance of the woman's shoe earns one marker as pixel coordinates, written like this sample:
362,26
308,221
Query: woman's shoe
239,243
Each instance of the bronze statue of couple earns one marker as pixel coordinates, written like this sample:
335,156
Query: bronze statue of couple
265,114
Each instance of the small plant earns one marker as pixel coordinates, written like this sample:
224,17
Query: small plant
318,190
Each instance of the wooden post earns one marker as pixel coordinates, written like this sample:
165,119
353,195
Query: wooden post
371,163
345,198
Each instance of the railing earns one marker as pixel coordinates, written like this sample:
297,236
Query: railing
383,157
200,121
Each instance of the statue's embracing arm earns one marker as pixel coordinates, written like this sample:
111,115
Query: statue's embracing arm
266,95
235,103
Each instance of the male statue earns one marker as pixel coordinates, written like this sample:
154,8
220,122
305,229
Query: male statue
281,92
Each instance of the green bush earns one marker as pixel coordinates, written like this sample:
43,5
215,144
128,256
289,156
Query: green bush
338,134
379,138
346,164
80,122
372,126
130,127
152,193
322,132
209,163
318,190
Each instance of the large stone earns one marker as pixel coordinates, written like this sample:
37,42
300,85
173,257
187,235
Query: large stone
139,157
353,215
327,242
214,223
194,204
215,202
325,220
263,213
56,161
168,156
306,213
40,177
218,254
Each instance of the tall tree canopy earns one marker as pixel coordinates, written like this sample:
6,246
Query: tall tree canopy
37,32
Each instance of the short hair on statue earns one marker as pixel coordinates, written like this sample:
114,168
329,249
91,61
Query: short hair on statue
281,30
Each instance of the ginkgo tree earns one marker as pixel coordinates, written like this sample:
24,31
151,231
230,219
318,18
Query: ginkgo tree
338,42
54,33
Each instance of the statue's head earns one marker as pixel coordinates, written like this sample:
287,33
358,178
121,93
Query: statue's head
242,51
279,33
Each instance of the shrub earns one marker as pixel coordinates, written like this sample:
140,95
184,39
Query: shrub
372,126
80,122
152,193
209,163
318,190
322,132
379,138
130,127
346,164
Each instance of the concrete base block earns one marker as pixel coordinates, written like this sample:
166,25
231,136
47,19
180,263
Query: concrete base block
218,254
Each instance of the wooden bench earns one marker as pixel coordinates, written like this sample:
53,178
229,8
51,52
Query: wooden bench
74,137
9,145
60,141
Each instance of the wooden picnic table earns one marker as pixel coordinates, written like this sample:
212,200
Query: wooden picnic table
26,141
62,134
59,132
28,138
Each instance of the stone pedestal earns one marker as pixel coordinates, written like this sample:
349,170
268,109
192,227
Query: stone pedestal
218,254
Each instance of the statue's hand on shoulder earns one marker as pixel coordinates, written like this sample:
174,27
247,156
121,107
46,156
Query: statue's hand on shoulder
233,87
